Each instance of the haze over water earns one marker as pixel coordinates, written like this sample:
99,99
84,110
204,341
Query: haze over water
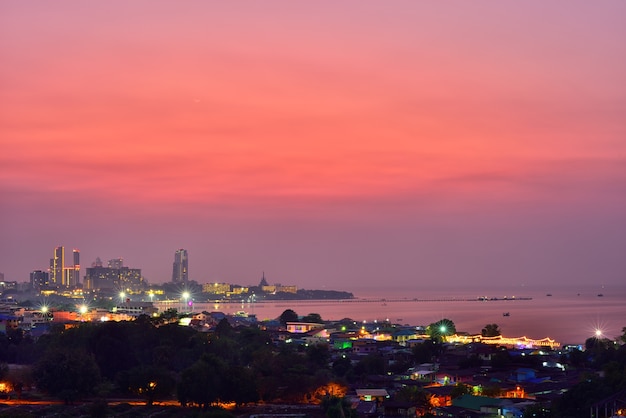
565,316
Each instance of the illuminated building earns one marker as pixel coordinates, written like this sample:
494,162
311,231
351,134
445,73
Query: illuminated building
113,279
116,263
60,275
279,288
180,273
135,308
75,276
57,262
216,288
39,279
504,341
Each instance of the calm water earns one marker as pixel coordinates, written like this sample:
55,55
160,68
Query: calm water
569,316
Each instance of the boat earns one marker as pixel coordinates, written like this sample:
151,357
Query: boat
506,314
600,295
548,294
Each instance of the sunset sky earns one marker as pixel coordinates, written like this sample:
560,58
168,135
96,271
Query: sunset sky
330,144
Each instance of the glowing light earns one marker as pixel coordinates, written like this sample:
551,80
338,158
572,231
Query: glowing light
508,341
598,333
44,309
82,309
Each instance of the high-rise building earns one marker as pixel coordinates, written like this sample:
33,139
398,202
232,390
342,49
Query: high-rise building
180,272
60,275
113,278
39,279
57,262
75,279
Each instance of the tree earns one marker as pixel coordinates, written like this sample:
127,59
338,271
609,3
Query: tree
288,315
336,407
580,397
66,374
341,366
491,391
168,316
441,329
460,389
470,362
370,364
223,328
502,359
199,384
416,396
491,330
150,382
424,352
318,356
313,317
240,386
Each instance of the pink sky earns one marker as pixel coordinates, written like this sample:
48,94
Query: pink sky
329,144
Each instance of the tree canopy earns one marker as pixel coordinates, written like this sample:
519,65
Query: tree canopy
288,315
441,329
491,330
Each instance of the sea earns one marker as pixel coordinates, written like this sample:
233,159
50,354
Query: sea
568,315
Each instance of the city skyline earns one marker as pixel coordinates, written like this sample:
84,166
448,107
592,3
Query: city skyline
330,145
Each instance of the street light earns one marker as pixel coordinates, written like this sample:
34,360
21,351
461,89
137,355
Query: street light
185,297
82,310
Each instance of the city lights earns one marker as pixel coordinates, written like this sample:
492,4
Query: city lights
187,302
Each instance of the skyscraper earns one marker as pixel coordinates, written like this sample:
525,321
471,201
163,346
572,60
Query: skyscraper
57,262
75,269
61,276
180,272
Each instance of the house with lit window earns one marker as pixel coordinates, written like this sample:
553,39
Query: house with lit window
303,327
367,395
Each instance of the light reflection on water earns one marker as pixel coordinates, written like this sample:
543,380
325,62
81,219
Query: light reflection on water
567,316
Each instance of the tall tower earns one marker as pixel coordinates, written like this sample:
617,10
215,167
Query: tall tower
75,269
56,267
180,272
